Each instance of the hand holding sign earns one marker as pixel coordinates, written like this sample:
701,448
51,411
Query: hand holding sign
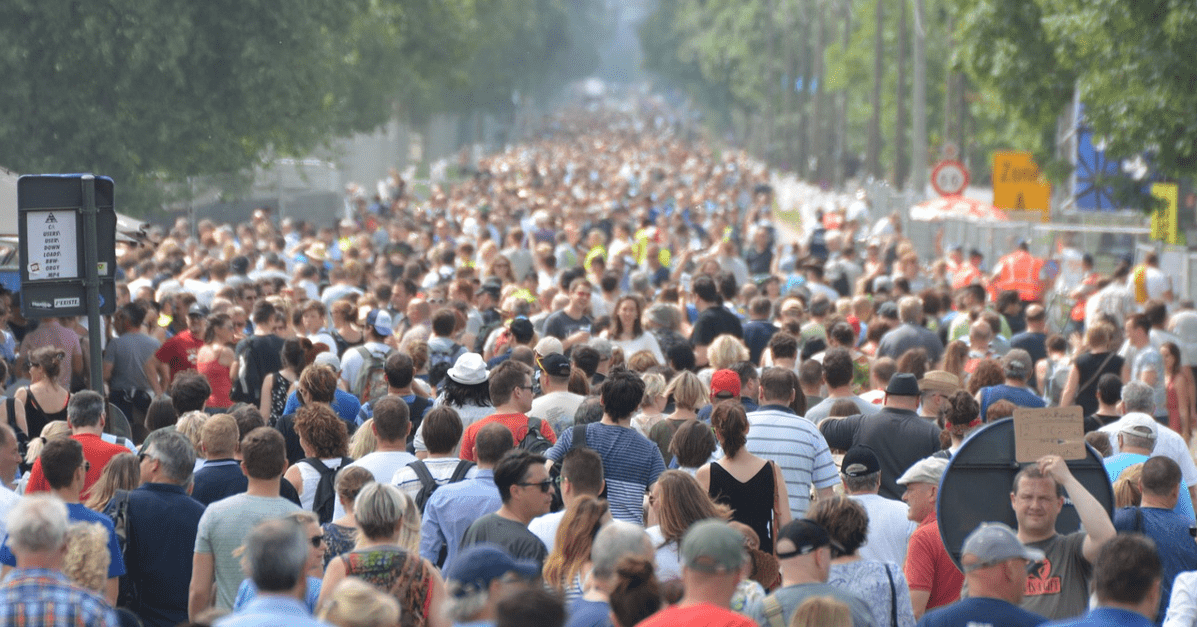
1049,431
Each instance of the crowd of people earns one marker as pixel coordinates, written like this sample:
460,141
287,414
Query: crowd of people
603,379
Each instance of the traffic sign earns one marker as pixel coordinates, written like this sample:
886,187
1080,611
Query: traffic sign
949,178
1019,187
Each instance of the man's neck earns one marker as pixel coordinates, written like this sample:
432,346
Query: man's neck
510,514
1027,537
508,408
786,363
263,487
1158,502
68,494
608,420
387,446
404,391
92,430
43,561
841,392
1107,410
575,312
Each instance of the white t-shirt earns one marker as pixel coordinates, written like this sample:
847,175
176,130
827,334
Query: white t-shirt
669,565
381,464
889,528
545,527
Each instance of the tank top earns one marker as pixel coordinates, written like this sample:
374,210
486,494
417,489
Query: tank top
218,377
751,501
278,396
36,418
1173,402
404,575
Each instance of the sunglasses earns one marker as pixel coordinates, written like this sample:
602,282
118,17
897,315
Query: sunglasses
545,485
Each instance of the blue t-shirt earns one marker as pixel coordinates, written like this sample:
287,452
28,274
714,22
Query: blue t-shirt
345,404
980,612
583,613
1022,397
631,463
1172,537
79,513
1115,464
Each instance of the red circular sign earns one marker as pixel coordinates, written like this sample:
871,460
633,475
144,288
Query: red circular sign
949,178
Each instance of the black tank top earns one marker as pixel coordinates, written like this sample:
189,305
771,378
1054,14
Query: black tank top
751,502
36,417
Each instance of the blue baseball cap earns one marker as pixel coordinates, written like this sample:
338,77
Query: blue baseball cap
477,566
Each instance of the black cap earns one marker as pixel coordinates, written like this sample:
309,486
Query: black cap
555,365
859,461
494,288
197,310
903,384
807,536
888,309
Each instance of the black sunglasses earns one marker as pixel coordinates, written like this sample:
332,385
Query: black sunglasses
545,485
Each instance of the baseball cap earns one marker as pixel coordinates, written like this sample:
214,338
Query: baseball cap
330,359
380,320
197,310
555,365
860,461
490,287
1140,425
807,535
940,381
888,309
994,543
549,346
1017,363
725,382
712,546
902,384
477,566
926,470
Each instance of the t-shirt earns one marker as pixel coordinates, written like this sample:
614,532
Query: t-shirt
259,356
899,437
1119,462
1021,397
583,613
817,412
561,326
180,353
557,408
880,585
509,534
796,446
545,528
1059,586
631,463
517,423
1170,531
383,465
713,322
128,354
222,530
981,612
889,529
790,597
96,451
700,615
929,568
77,512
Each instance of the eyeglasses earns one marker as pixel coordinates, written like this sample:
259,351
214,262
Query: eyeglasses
316,541
545,485
86,466
527,387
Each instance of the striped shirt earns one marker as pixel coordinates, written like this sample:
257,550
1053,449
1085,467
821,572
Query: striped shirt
631,463
34,597
781,436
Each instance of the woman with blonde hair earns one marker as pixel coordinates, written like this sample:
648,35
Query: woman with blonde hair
675,502
355,603
387,556
55,429
191,425
1126,487
563,567
87,557
688,394
651,404
44,399
822,612
726,350
122,472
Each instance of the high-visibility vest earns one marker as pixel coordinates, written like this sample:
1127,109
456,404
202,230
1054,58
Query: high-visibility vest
1020,271
1139,283
967,274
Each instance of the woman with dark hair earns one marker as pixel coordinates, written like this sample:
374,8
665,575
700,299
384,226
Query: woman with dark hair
960,415
161,413
325,440
276,384
345,332
216,361
675,502
751,486
44,399
1176,385
880,585
692,446
563,568
637,594
626,331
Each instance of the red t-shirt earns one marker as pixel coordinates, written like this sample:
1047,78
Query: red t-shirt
928,567
179,352
96,451
701,615
517,423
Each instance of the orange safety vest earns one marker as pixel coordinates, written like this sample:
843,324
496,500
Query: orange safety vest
1020,271
967,274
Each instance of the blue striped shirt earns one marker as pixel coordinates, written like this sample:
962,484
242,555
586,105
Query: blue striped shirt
778,434
451,510
631,463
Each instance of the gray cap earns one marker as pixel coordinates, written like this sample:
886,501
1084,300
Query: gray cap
994,543
926,470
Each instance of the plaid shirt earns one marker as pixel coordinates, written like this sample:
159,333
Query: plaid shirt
35,597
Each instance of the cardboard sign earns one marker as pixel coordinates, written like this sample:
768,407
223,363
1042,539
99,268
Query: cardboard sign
1051,430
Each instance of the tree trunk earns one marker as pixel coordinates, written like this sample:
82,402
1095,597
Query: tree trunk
901,144
873,158
841,114
918,172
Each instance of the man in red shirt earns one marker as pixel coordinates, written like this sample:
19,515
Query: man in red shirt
511,392
179,352
85,413
933,577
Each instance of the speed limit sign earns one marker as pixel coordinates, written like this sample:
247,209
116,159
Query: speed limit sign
949,178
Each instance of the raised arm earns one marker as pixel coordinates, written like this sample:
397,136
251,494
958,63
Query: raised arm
1098,526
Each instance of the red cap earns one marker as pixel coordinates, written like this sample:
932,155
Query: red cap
855,322
725,381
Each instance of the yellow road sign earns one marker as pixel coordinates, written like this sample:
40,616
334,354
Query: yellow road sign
1018,185
1164,221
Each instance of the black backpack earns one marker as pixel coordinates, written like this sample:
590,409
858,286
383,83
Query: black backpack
118,509
578,441
534,441
428,485
326,492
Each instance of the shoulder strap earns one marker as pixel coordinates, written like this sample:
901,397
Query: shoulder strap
1096,374
10,409
533,425
459,473
30,398
421,470
579,437
773,613
893,596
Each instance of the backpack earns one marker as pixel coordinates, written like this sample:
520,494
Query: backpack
578,441
118,509
442,358
534,441
416,410
326,492
428,484
370,384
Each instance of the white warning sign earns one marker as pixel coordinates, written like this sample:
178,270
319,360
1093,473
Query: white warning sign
53,247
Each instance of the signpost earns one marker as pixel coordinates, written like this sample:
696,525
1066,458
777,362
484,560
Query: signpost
1019,188
949,178
67,252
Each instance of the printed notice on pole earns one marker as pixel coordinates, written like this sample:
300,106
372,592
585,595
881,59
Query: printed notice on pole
1052,430
53,247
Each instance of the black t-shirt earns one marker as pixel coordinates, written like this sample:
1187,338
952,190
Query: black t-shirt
1088,366
260,355
560,325
713,322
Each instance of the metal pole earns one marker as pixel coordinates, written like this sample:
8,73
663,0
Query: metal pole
918,171
91,257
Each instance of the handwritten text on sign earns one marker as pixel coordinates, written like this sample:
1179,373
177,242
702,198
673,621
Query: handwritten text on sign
1052,430
53,247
